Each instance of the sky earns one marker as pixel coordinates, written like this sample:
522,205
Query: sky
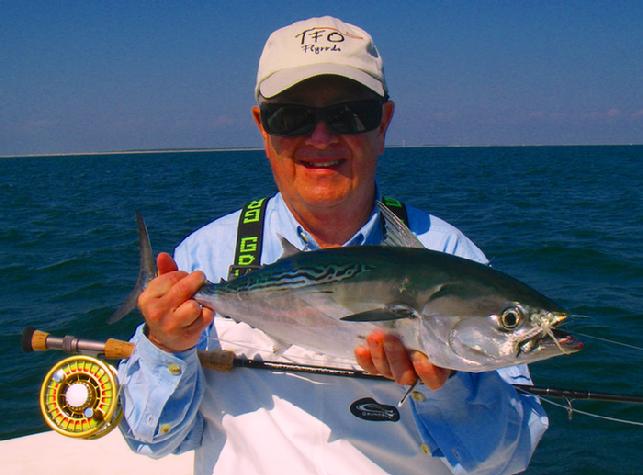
88,76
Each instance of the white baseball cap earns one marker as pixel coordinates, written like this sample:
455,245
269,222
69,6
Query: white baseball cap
318,46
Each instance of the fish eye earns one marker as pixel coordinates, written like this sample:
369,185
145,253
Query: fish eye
510,318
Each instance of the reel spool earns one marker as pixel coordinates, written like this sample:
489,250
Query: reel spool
79,398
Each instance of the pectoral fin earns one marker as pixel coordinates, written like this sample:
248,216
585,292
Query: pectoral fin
287,248
390,312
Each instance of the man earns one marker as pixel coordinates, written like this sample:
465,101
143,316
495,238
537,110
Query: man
323,112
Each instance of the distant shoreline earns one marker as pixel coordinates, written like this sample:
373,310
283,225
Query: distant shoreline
134,152
244,149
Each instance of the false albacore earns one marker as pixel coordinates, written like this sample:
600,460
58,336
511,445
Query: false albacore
464,315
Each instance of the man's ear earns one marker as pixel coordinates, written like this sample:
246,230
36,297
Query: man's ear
256,115
388,110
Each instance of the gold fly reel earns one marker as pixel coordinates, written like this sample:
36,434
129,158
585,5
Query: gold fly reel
79,398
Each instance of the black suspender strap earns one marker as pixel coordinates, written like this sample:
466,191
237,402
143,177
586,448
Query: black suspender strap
397,207
249,238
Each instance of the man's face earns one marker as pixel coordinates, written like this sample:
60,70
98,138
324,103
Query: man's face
325,170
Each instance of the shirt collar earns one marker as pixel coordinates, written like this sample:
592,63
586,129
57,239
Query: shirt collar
369,234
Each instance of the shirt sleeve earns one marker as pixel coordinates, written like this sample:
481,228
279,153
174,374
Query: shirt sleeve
480,424
160,394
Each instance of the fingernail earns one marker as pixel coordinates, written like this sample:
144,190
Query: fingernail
416,356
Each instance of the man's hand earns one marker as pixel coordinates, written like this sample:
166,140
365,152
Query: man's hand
174,320
386,355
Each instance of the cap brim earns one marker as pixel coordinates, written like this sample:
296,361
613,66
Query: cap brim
287,78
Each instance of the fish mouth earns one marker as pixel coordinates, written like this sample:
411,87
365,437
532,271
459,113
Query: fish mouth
554,337
566,341
551,340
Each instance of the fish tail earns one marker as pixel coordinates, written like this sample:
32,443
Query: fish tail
146,272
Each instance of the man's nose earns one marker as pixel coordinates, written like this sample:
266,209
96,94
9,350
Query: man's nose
322,135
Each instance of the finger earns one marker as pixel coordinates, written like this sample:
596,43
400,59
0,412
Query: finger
178,333
186,314
161,285
198,325
398,360
432,376
208,316
185,288
201,321
364,359
165,263
192,333
376,345
191,312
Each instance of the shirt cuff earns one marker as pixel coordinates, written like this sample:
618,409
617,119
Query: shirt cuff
471,418
149,378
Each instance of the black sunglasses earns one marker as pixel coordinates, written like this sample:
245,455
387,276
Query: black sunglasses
345,118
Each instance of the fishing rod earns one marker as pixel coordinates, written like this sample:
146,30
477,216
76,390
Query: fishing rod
225,360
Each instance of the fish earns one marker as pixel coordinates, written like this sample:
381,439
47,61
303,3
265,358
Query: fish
464,315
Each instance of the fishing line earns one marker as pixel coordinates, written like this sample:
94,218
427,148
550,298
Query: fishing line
569,408
575,316
607,340
407,392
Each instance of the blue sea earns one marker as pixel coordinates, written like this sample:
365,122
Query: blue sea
566,220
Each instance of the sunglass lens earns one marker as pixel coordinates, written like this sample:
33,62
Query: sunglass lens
354,117
286,119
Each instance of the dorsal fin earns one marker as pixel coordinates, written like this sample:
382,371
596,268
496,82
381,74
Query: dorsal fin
397,234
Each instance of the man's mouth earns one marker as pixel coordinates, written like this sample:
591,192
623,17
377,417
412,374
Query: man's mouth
320,164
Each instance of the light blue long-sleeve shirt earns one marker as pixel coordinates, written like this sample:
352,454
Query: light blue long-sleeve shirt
476,423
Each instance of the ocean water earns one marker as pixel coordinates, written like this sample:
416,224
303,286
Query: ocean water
566,220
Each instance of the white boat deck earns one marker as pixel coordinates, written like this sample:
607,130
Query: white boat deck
54,454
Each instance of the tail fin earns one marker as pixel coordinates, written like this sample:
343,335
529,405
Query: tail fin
146,272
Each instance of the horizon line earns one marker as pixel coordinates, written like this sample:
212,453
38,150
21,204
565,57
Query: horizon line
258,148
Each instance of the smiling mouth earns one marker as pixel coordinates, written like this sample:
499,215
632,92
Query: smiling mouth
320,164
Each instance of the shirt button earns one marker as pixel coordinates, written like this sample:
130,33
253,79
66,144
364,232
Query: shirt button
425,448
174,369
150,420
164,429
418,396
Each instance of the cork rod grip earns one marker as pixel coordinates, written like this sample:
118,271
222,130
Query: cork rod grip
118,349
217,360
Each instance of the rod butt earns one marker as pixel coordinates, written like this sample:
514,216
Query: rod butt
34,340
27,336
